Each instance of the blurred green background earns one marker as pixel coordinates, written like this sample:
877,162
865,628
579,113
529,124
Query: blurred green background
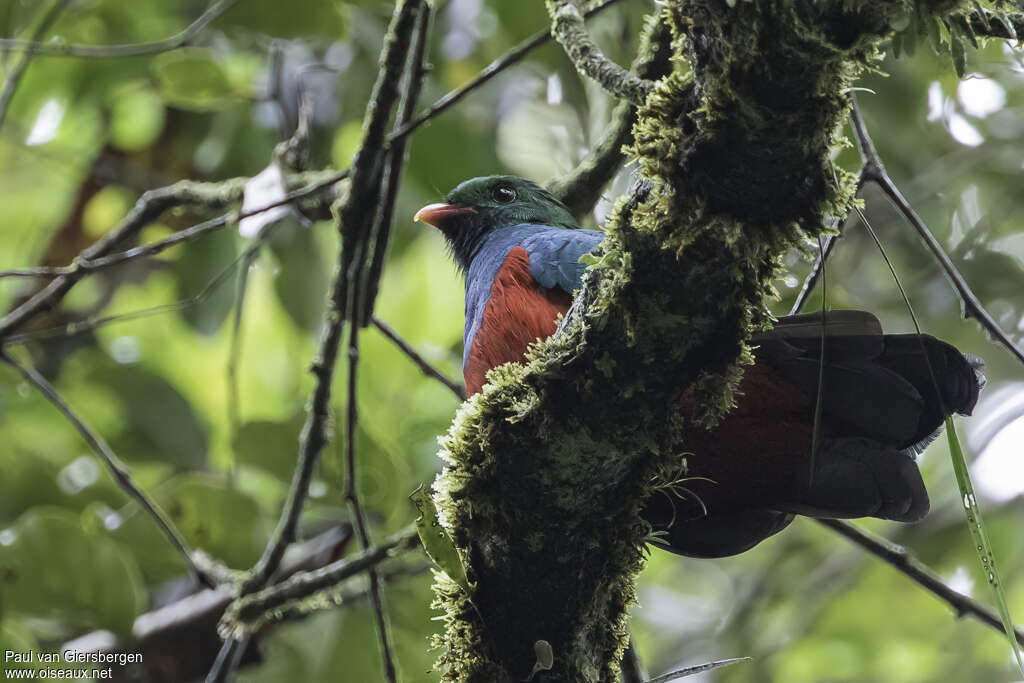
84,137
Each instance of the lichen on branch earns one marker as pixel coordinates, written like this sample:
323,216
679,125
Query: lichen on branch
549,467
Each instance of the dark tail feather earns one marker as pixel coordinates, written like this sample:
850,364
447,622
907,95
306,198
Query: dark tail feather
959,378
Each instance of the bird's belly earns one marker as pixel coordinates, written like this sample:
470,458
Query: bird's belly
518,313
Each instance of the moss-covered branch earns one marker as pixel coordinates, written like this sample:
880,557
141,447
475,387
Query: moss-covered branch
580,189
568,29
548,468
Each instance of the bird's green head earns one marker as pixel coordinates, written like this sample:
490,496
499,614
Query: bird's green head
480,206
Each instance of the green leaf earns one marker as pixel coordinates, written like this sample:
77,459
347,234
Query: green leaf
959,55
982,545
271,446
192,79
197,273
436,541
56,569
302,280
933,26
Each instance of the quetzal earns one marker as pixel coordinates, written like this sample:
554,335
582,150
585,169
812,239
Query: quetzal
519,249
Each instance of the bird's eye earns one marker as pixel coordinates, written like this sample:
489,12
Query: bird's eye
503,193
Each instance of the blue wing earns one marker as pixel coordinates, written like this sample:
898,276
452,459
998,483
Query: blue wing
555,256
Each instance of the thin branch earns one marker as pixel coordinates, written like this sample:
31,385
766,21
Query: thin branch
875,171
415,71
904,562
580,189
92,323
148,208
301,585
510,58
179,40
84,265
568,29
358,514
118,470
424,365
354,224
816,270
18,70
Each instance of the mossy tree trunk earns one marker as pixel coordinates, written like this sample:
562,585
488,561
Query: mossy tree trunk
548,468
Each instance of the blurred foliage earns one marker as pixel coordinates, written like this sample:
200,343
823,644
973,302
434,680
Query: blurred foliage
86,136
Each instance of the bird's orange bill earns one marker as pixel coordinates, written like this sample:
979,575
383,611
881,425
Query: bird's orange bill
433,214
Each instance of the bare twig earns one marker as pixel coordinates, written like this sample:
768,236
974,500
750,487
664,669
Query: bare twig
394,163
84,265
819,264
358,514
18,70
179,40
510,58
568,29
874,171
355,224
424,365
118,470
304,584
904,562
150,206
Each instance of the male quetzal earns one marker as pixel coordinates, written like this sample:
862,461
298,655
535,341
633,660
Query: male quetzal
520,250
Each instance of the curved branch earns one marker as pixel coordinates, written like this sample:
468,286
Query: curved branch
510,58
568,29
18,70
175,42
581,188
875,172
425,367
902,561
118,470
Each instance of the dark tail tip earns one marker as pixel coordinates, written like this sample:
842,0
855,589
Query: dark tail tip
977,383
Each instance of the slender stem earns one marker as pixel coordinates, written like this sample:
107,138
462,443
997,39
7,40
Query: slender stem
415,71
816,270
568,29
354,224
18,70
424,365
87,265
510,58
358,515
875,172
904,562
235,353
117,468
175,42
304,584
149,207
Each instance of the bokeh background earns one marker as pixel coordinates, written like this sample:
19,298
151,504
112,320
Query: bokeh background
84,138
